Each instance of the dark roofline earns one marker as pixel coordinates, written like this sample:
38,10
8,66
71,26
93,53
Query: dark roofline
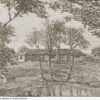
53,52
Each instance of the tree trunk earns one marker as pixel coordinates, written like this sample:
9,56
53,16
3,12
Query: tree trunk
72,64
58,53
45,84
41,69
48,92
60,89
50,67
50,64
40,61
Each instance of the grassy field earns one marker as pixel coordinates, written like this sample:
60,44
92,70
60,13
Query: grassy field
28,75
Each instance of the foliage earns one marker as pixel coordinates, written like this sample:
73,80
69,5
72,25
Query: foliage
5,52
74,38
85,11
6,55
58,31
96,51
26,6
74,35
54,33
34,38
6,33
19,8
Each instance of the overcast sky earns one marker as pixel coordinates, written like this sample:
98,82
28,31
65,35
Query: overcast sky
24,25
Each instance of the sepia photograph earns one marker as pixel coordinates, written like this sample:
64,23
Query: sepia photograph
49,48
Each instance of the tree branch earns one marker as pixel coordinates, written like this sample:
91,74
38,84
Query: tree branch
95,4
11,19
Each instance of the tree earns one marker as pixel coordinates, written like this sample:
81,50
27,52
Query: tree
5,35
50,38
96,51
6,55
19,8
57,35
54,32
54,38
50,42
74,38
34,39
86,11
37,38
25,7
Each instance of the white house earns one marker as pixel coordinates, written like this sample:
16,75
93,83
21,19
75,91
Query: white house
21,54
21,57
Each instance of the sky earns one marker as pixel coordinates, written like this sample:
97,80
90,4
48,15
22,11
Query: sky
24,25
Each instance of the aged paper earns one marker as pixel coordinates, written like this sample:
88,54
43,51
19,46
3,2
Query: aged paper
49,48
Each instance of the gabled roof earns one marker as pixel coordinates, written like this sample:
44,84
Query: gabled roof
64,51
53,52
78,52
37,51
22,50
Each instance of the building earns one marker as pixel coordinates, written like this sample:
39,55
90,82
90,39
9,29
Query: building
21,53
36,54
33,55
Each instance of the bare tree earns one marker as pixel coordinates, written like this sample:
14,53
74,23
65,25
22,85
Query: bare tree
74,38
37,38
57,36
34,39
54,38
49,43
